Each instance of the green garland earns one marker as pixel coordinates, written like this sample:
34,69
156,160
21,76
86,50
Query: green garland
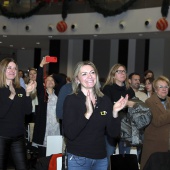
106,12
8,14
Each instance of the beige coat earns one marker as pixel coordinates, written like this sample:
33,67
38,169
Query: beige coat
156,136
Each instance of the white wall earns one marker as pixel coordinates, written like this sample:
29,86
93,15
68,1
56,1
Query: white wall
134,23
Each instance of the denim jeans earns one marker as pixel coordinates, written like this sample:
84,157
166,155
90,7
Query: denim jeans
83,163
111,148
123,149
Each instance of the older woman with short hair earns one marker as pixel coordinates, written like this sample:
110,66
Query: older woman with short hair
156,136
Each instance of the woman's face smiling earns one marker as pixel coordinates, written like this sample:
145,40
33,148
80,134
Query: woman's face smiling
11,71
87,77
162,89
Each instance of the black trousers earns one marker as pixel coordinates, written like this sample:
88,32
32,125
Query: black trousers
17,148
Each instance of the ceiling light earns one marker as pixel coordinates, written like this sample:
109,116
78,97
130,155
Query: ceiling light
4,36
147,22
50,36
95,35
50,27
11,45
140,35
74,27
4,27
97,26
0,42
23,48
122,24
27,27
38,43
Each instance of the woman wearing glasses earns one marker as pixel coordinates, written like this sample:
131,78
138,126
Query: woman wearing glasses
156,136
116,86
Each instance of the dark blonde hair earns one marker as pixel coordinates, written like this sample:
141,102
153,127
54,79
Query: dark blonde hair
75,85
110,78
3,66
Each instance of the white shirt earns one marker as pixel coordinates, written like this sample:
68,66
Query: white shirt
141,95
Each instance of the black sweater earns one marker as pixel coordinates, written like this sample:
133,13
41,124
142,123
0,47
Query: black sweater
86,137
12,112
114,92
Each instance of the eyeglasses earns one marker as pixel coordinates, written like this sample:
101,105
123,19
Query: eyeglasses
121,71
163,87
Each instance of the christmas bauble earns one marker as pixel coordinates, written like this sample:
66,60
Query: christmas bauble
61,26
162,24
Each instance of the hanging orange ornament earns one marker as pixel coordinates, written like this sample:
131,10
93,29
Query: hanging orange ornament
162,24
61,26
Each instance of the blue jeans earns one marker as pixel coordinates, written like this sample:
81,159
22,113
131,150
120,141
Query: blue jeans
110,148
123,149
83,163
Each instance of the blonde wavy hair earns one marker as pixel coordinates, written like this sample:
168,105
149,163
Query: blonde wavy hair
75,85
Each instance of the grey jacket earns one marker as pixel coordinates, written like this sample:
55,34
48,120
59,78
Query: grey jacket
134,122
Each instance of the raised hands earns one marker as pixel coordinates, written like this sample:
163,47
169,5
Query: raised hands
119,105
30,87
43,62
89,106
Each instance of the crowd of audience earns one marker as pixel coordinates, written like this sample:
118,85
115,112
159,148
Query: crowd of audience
87,114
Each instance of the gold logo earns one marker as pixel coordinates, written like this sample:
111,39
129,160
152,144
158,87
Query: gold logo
103,113
20,95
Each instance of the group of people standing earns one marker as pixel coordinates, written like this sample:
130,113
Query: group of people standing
91,114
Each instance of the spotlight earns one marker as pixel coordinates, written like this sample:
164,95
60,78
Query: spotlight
97,26
4,27
147,22
122,24
27,27
74,27
50,27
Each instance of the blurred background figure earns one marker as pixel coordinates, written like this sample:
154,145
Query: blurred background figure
149,90
147,74
46,123
32,75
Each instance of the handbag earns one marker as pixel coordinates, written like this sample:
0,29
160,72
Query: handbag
124,162
158,161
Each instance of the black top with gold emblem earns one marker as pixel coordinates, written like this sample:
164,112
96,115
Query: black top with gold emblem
12,112
86,137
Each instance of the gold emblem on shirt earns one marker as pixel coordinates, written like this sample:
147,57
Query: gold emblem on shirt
103,113
20,95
